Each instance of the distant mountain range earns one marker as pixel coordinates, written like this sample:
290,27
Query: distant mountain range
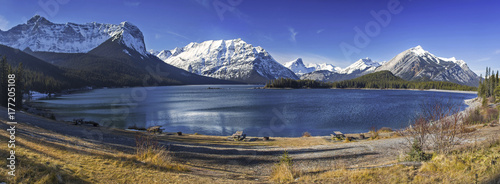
98,58
298,67
357,69
233,60
412,64
96,54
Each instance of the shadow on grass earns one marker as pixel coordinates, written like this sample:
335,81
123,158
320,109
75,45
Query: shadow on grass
30,171
494,180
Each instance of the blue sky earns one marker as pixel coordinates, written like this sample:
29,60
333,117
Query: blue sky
319,31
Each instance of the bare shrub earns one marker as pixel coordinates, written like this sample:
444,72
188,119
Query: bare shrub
439,127
447,128
474,117
306,134
491,114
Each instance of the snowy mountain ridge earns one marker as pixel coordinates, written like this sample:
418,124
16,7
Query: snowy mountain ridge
297,66
412,64
227,59
361,66
416,63
39,34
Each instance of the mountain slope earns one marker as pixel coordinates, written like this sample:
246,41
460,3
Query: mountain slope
416,63
381,76
233,60
39,34
114,64
38,74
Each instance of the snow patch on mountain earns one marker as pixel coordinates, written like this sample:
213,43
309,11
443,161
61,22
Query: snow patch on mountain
418,50
39,34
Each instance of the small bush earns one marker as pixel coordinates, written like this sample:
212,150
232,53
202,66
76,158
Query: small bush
373,134
286,159
306,134
348,139
417,154
196,133
474,117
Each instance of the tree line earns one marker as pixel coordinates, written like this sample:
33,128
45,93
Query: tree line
489,87
291,83
5,70
377,80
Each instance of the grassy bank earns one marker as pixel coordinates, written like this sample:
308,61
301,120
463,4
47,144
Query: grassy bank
460,166
48,157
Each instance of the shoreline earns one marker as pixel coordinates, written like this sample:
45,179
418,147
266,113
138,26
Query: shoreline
389,89
471,103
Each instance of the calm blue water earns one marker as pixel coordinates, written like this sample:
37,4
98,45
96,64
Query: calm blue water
258,112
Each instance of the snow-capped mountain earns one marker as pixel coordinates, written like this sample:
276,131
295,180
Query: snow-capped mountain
297,66
361,67
324,66
412,64
416,63
39,34
227,59
357,69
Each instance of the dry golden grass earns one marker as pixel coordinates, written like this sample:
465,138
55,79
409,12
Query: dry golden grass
385,130
457,167
283,172
297,142
284,142
348,139
63,159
